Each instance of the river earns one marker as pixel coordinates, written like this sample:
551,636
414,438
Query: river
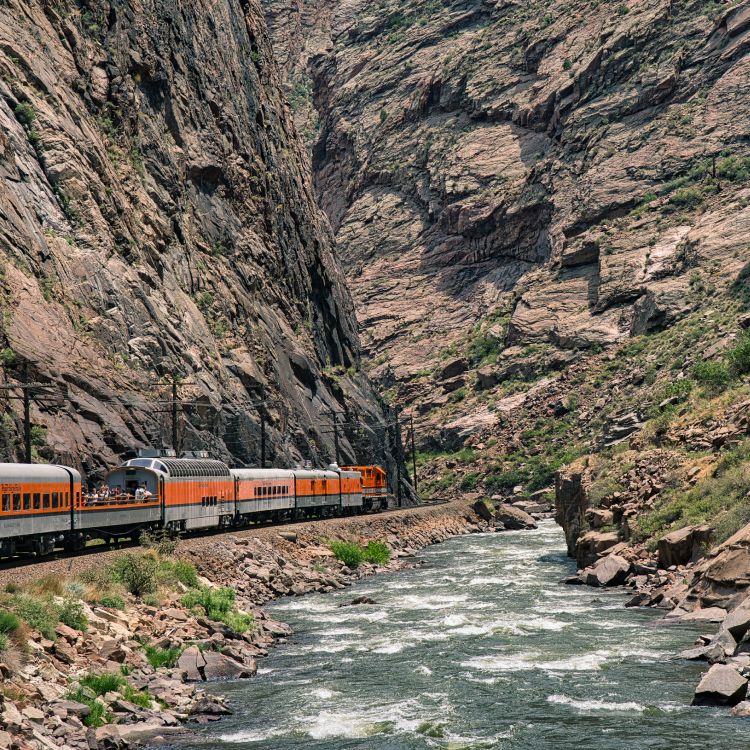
480,648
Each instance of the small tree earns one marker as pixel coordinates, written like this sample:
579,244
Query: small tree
137,573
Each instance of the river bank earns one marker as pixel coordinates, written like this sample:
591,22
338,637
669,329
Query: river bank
679,574
140,700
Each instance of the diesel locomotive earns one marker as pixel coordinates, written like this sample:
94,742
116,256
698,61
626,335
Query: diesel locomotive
43,506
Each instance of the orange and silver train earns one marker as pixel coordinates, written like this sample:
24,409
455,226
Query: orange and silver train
43,506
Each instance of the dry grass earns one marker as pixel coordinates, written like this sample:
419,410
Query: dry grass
51,584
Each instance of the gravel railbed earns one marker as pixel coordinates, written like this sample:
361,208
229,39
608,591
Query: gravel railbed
26,572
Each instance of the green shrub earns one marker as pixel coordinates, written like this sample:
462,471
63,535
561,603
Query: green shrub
712,375
377,553
37,614
350,554
94,719
138,697
507,480
136,572
158,657
218,605
738,359
9,623
4,642
25,113
171,571
160,540
114,601
721,498
71,614
469,481
680,390
100,684
731,522
686,197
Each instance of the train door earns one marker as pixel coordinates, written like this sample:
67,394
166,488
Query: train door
162,503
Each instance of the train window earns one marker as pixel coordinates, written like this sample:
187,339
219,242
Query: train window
216,499
37,501
17,501
78,499
54,499
255,491
45,501
27,501
66,499
6,503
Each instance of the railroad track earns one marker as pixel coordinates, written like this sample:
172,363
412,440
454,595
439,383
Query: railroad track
22,562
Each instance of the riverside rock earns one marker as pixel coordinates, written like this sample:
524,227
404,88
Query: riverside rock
514,518
720,686
609,571
220,667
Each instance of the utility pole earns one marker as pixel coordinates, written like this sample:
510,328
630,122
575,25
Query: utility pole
263,431
26,388
413,454
174,415
335,420
398,455
26,416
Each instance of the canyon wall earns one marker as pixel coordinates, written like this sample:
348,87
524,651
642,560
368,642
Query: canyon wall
561,175
158,224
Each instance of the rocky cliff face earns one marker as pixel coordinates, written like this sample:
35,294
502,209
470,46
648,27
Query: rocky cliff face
158,223
555,175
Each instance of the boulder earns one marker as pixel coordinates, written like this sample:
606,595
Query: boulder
65,652
560,409
711,652
33,714
601,517
675,548
741,709
214,627
482,510
220,667
453,368
276,628
192,662
81,710
720,686
207,705
737,622
730,566
10,717
610,571
358,600
724,640
112,651
176,614
514,518
641,599
70,635
487,377
572,581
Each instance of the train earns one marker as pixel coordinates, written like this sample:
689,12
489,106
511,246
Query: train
43,506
